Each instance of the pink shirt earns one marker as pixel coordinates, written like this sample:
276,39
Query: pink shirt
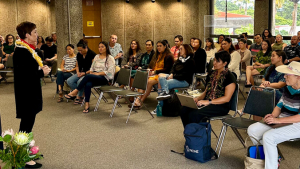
175,52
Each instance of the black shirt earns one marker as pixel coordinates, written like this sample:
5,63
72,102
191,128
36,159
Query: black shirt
292,52
84,64
200,60
184,71
49,52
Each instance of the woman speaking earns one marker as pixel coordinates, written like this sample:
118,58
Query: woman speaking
28,69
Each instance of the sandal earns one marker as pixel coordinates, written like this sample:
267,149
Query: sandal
78,101
60,99
86,110
69,97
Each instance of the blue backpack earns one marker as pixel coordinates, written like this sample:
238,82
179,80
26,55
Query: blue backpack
198,142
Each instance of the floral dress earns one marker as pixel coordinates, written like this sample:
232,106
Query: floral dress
263,60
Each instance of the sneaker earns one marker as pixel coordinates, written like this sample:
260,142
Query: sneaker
153,112
163,96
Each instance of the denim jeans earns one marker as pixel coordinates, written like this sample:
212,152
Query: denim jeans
61,77
73,82
166,85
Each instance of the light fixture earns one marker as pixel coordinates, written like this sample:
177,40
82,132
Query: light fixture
152,1
127,1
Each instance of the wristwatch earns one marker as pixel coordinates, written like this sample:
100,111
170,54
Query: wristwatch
210,102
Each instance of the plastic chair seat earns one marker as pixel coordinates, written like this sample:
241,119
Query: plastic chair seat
110,89
220,117
201,75
239,123
127,93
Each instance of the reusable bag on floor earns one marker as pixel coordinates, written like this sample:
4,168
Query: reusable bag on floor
256,161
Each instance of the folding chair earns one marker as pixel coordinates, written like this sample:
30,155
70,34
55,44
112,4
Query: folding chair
122,79
140,82
8,68
203,75
233,106
259,103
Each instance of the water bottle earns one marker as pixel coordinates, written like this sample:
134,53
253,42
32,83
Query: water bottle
158,110
176,91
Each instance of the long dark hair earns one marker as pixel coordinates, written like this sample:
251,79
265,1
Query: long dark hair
219,38
231,49
269,47
281,54
43,41
107,50
212,46
188,50
6,38
263,34
164,54
138,48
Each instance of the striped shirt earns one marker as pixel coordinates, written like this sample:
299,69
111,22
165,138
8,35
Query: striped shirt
70,63
290,101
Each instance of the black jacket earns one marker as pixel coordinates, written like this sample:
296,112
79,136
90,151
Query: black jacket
200,60
27,84
184,71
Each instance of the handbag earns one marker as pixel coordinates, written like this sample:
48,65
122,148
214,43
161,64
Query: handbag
254,158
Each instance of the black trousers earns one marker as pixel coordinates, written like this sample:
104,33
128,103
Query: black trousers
27,123
189,115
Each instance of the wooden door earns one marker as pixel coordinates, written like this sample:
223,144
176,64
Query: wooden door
91,11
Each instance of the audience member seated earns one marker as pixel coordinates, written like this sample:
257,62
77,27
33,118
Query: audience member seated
85,57
266,35
146,57
1,67
68,68
180,76
161,62
220,86
255,47
292,51
234,65
175,49
286,111
245,54
168,45
298,35
237,47
273,78
279,44
219,43
54,37
199,56
8,47
210,49
263,60
50,54
40,42
102,70
249,42
115,49
191,42
132,58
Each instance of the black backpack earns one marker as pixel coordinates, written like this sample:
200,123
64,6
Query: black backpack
172,106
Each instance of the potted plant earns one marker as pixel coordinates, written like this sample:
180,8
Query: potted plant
18,149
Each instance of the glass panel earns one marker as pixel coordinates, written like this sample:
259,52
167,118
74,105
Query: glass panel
240,17
286,17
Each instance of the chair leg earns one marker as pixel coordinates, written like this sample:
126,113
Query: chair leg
83,101
237,133
104,98
135,98
146,107
242,94
112,111
214,133
111,96
98,102
132,104
221,138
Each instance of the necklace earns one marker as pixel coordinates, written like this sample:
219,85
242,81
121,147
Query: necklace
34,54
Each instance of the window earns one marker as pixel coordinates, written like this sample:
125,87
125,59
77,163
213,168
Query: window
240,17
286,17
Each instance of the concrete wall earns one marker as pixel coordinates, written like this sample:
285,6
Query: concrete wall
39,12
142,20
261,16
